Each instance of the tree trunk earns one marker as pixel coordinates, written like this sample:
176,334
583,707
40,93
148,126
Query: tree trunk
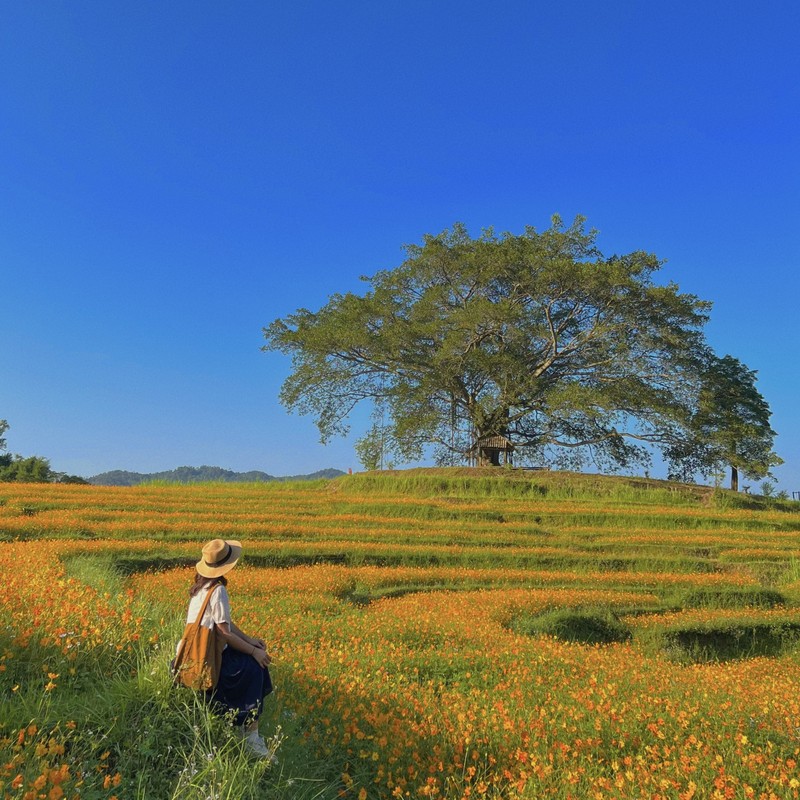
734,479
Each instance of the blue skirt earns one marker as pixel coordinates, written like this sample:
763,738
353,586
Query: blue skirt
242,687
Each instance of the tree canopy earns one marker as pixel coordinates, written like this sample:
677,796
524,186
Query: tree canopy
574,357
729,426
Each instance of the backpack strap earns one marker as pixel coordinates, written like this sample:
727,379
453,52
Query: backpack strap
196,623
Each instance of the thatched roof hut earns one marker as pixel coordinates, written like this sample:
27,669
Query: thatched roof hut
488,449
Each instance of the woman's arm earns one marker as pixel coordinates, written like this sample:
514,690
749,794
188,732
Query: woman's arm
239,632
238,641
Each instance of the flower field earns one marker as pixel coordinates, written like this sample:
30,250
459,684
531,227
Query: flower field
442,634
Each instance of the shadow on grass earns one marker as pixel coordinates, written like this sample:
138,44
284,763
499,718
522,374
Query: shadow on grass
583,626
703,644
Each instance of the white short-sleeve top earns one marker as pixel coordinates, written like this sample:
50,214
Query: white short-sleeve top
218,609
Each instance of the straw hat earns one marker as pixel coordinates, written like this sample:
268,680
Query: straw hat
219,557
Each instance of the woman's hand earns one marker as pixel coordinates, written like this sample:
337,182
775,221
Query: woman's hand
261,656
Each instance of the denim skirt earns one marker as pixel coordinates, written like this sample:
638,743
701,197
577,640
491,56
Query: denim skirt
241,688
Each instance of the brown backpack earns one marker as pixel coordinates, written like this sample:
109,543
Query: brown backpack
199,657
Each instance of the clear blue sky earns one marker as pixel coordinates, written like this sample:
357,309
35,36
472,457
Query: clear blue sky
174,176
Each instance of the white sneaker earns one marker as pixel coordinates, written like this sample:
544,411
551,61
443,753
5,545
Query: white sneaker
258,747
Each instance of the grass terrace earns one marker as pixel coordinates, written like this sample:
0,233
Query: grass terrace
436,633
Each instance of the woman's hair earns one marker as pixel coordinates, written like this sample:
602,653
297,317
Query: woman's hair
200,582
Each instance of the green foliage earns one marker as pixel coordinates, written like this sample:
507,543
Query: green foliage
33,469
539,337
729,425
77,479
370,449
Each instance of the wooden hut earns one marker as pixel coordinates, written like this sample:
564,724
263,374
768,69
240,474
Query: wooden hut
488,450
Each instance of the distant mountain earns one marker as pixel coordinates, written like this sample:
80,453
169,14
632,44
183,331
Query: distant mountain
119,477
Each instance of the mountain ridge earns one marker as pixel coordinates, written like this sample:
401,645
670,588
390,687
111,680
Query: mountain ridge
203,474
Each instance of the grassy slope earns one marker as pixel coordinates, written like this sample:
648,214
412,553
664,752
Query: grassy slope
453,529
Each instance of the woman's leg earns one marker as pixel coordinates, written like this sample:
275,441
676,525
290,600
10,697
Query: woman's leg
242,687
250,727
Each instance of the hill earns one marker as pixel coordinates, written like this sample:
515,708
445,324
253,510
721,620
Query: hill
202,474
542,628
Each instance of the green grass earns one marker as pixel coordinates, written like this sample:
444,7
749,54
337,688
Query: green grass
505,483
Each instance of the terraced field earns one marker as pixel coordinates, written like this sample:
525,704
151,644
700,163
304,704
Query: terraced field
451,634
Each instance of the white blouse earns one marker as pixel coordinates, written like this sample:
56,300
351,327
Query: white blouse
218,609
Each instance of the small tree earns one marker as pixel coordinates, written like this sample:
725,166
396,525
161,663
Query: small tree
76,479
5,458
730,424
370,449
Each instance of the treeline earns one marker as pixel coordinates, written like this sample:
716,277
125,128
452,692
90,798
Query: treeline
30,469
202,474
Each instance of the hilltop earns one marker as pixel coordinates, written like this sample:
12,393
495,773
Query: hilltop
499,482
202,474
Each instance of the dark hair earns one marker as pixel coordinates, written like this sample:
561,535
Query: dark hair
200,582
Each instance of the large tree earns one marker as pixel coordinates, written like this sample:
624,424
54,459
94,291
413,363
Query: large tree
537,337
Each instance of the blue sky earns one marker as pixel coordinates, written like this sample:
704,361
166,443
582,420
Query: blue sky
174,176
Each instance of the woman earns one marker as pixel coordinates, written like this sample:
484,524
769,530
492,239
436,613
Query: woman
244,679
